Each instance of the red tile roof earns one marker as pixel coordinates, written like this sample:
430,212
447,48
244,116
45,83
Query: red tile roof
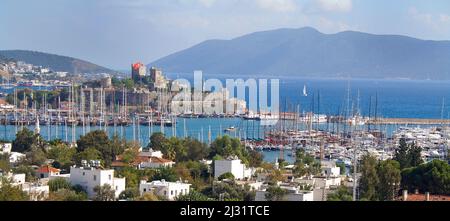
422,197
48,169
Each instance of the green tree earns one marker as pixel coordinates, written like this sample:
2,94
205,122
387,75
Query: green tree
275,193
128,83
62,154
227,191
132,176
275,176
25,139
341,194
433,177
369,177
167,174
226,176
415,155
306,164
99,140
193,196
58,183
118,146
196,173
67,195
8,192
104,193
88,154
129,194
173,149
300,169
5,165
149,196
196,150
156,141
255,159
342,167
129,156
408,155
401,154
36,156
389,180
226,146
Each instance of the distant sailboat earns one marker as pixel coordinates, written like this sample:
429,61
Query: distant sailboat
305,93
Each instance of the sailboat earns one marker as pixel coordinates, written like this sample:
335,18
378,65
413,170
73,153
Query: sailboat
305,93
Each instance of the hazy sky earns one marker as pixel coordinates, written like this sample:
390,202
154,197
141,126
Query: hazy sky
114,33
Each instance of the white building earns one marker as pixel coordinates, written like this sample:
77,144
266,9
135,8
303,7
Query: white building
16,179
232,165
321,185
15,157
151,153
332,171
5,148
254,185
154,163
47,171
169,190
90,177
36,192
292,194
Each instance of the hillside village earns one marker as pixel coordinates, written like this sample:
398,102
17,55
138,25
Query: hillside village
103,169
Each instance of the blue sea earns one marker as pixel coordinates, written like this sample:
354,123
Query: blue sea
393,99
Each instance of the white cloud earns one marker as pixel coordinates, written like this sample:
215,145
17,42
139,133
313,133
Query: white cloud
331,26
335,5
277,5
435,22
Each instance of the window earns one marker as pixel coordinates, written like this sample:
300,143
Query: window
145,189
42,175
165,192
176,192
95,177
109,176
171,192
117,188
84,173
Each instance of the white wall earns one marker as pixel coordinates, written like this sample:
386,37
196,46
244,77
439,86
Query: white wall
5,148
331,171
169,190
89,178
231,166
292,196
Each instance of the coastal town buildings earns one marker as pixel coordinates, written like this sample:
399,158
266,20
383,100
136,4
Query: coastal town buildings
292,194
168,190
47,171
234,166
90,176
138,71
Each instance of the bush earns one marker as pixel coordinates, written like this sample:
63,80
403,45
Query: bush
58,183
226,176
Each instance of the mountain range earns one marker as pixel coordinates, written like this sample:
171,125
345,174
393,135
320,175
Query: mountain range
306,52
55,62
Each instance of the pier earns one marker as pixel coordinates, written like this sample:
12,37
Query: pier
412,121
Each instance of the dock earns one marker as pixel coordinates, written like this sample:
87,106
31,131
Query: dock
412,121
